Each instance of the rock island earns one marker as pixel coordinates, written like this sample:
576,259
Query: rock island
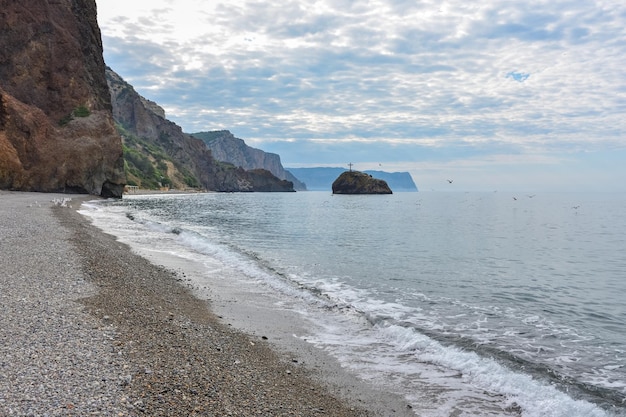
356,182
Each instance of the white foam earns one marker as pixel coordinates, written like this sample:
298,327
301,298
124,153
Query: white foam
536,399
440,380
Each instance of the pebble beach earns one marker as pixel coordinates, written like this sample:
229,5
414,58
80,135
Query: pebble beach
90,328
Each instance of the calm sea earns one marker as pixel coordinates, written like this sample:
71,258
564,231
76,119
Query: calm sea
490,304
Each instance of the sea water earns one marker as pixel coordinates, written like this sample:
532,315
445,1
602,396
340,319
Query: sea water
466,304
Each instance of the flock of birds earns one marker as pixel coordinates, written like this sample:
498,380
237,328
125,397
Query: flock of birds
529,196
450,181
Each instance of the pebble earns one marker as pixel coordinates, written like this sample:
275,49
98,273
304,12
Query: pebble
56,358
89,328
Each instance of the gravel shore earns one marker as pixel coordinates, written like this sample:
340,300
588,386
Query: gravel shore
89,328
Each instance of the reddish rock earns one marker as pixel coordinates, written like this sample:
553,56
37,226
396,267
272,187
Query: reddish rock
56,127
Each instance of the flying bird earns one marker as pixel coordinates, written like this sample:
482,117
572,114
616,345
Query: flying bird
450,181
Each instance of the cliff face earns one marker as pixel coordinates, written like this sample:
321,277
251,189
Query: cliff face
56,127
355,182
189,156
226,147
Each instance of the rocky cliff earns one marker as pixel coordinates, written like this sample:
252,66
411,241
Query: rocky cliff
355,182
226,147
159,147
56,128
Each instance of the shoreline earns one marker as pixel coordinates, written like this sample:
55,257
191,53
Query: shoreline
146,191
261,315
166,351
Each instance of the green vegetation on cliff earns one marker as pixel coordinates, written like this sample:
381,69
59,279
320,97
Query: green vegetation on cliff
157,153
149,166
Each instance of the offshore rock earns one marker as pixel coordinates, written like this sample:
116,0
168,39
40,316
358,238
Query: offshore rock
355,182
321,178
56,128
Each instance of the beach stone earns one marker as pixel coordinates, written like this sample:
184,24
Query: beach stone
56,358
59,356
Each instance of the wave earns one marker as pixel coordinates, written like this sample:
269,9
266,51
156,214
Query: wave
406,356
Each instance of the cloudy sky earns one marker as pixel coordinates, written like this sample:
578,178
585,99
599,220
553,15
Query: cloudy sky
495,94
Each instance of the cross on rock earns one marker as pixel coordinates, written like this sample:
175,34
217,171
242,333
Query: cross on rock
350,165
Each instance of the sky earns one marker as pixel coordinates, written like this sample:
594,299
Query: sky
493,94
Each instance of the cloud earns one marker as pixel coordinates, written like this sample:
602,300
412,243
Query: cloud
531,77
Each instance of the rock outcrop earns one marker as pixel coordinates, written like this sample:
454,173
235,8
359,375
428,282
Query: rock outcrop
189,156
56,128
355,182
226,147
321,178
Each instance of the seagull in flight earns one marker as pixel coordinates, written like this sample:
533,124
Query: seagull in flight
450,181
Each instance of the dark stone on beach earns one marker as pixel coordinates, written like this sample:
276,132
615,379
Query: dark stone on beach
355,182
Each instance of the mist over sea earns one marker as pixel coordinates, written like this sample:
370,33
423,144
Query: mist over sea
491,304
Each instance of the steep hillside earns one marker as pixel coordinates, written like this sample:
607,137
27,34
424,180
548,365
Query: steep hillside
226,147
157,152
56,127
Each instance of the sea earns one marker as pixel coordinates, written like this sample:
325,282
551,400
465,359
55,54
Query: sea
465,304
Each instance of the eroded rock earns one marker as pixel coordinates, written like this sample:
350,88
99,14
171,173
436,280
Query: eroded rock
56,127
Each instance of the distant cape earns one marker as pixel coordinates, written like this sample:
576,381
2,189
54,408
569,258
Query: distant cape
321,178
226,147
